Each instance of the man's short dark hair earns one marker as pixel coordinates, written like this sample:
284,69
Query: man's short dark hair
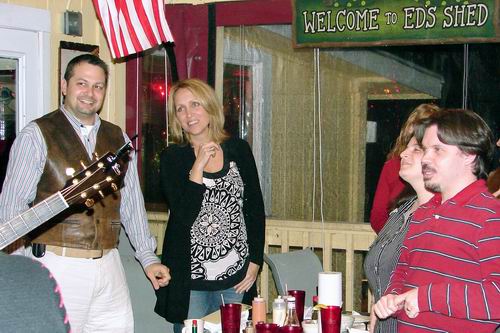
88,58
466,130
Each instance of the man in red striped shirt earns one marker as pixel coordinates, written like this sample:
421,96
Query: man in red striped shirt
448,275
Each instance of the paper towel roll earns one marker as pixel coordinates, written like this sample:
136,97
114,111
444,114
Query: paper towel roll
330,288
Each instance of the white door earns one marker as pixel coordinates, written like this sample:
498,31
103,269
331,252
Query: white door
24,72
25,36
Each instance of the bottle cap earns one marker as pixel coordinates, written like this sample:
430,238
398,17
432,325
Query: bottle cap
279,300
258,299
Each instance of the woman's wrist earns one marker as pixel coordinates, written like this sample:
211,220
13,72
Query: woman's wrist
196,176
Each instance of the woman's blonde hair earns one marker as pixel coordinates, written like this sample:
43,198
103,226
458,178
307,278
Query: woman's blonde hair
208,100
421,112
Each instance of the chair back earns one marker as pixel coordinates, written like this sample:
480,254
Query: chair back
298,270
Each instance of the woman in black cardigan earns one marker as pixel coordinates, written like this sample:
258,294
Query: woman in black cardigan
214,240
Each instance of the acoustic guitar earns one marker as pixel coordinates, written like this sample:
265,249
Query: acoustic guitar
87,187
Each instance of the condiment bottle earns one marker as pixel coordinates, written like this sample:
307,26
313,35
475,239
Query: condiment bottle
279,311
291,313
194,326
249,328
258,310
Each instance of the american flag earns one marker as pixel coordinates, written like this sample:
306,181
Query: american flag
131,26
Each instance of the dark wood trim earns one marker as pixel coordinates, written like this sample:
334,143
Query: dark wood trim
133,107
212,44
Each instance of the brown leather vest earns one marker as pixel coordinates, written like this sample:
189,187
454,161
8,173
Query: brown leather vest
93,228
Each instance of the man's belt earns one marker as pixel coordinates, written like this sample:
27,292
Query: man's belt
77,253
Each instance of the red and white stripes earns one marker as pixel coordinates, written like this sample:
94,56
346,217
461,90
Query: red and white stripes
131,26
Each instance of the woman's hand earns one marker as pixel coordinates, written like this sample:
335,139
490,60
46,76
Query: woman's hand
204,152
248,281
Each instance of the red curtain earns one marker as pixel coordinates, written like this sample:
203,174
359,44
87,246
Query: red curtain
189,26
255,12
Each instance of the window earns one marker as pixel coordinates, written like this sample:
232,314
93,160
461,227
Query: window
8,75
321,122
155,71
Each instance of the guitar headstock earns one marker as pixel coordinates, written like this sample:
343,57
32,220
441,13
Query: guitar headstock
97,180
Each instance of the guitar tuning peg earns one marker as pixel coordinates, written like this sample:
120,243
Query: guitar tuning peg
96,155
89,202
101,194
83,165
70,172
114,187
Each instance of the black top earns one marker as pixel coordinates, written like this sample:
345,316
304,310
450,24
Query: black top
383,256
184,199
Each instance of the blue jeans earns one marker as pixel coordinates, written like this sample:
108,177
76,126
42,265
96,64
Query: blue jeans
202,303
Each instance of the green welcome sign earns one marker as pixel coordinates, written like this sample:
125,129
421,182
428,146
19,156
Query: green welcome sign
344,23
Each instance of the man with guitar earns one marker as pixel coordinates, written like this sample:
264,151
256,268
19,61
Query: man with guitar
79,245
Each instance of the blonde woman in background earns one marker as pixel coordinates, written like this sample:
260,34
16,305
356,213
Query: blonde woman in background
214,240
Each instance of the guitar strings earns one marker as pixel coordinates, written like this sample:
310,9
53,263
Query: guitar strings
70,188
77,196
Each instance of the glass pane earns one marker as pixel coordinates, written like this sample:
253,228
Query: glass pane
8,79
247,84
484,84
322,122
321,156
156,79
237,100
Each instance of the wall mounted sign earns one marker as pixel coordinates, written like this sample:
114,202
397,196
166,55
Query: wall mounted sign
344,23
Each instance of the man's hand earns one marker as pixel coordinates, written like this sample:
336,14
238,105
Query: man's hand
410,300
247,282
158,274
388,305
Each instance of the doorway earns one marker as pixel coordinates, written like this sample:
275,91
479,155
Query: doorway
24,72
8,75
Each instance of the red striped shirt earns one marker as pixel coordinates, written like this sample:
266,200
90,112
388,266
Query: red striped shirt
452,254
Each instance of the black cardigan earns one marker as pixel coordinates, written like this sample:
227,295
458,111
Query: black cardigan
184,199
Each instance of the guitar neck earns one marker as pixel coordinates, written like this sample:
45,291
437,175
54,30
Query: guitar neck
32,218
